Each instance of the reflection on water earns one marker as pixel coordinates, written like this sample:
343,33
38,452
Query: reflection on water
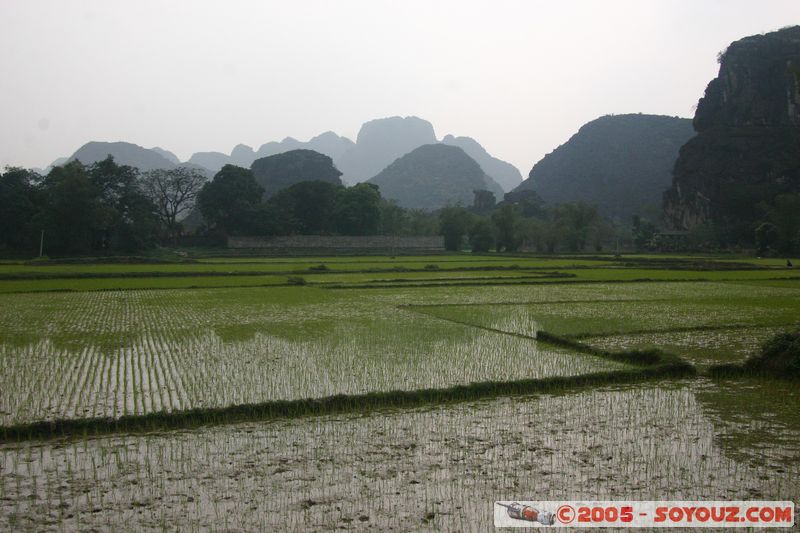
756,420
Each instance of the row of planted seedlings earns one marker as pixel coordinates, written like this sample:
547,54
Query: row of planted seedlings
400,360
441,467
160,367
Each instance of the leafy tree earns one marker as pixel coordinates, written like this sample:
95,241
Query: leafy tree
453,225
552,235
600,232
229,200
507,223
393,218
312,205
71,213
100,207
126,219
173,191
481,234
422,222
17,208
358,210
532,233
577,220
271,219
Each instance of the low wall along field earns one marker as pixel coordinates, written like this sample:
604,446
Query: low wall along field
318,244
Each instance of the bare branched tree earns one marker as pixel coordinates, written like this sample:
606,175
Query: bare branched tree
174,192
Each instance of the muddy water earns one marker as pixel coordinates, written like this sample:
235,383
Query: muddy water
427,469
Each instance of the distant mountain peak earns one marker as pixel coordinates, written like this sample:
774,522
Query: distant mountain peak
505,174
279,171
124,153
166,154
242,155
381,141
432,176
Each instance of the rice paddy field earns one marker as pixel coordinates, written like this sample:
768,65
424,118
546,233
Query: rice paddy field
396,394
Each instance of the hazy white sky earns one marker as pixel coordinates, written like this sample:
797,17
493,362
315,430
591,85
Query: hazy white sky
518,76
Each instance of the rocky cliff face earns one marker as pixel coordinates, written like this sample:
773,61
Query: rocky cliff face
748,145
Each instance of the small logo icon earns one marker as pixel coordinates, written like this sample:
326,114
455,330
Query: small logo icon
565,514
527,513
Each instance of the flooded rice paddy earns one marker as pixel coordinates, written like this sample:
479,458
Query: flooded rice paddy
438,468
113,354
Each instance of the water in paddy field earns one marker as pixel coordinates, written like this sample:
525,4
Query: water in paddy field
111,354
438,468
158,372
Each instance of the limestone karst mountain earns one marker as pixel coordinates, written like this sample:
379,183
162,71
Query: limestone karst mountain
505,174
621,163
747,150
432,176
283,170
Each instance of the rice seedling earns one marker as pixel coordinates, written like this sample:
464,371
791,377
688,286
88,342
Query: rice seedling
122,354
388,408
431,468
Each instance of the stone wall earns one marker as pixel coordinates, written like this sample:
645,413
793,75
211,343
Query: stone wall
321,245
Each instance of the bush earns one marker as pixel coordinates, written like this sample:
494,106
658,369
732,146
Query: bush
780,356
431,267
296,280
319,268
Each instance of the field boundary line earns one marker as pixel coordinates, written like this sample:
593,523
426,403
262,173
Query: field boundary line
640,358
543,302
337,404
559,280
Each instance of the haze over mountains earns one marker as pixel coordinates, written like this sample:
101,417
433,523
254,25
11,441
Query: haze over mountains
433,176
732,173
379,143
243,155
622,163
505,174
128,154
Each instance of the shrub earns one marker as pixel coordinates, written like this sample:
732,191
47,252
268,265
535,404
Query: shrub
296,280
780,355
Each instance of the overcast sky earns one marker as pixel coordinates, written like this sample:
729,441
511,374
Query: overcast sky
518,76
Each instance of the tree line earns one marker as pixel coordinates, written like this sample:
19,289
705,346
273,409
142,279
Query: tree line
523,220
106,208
